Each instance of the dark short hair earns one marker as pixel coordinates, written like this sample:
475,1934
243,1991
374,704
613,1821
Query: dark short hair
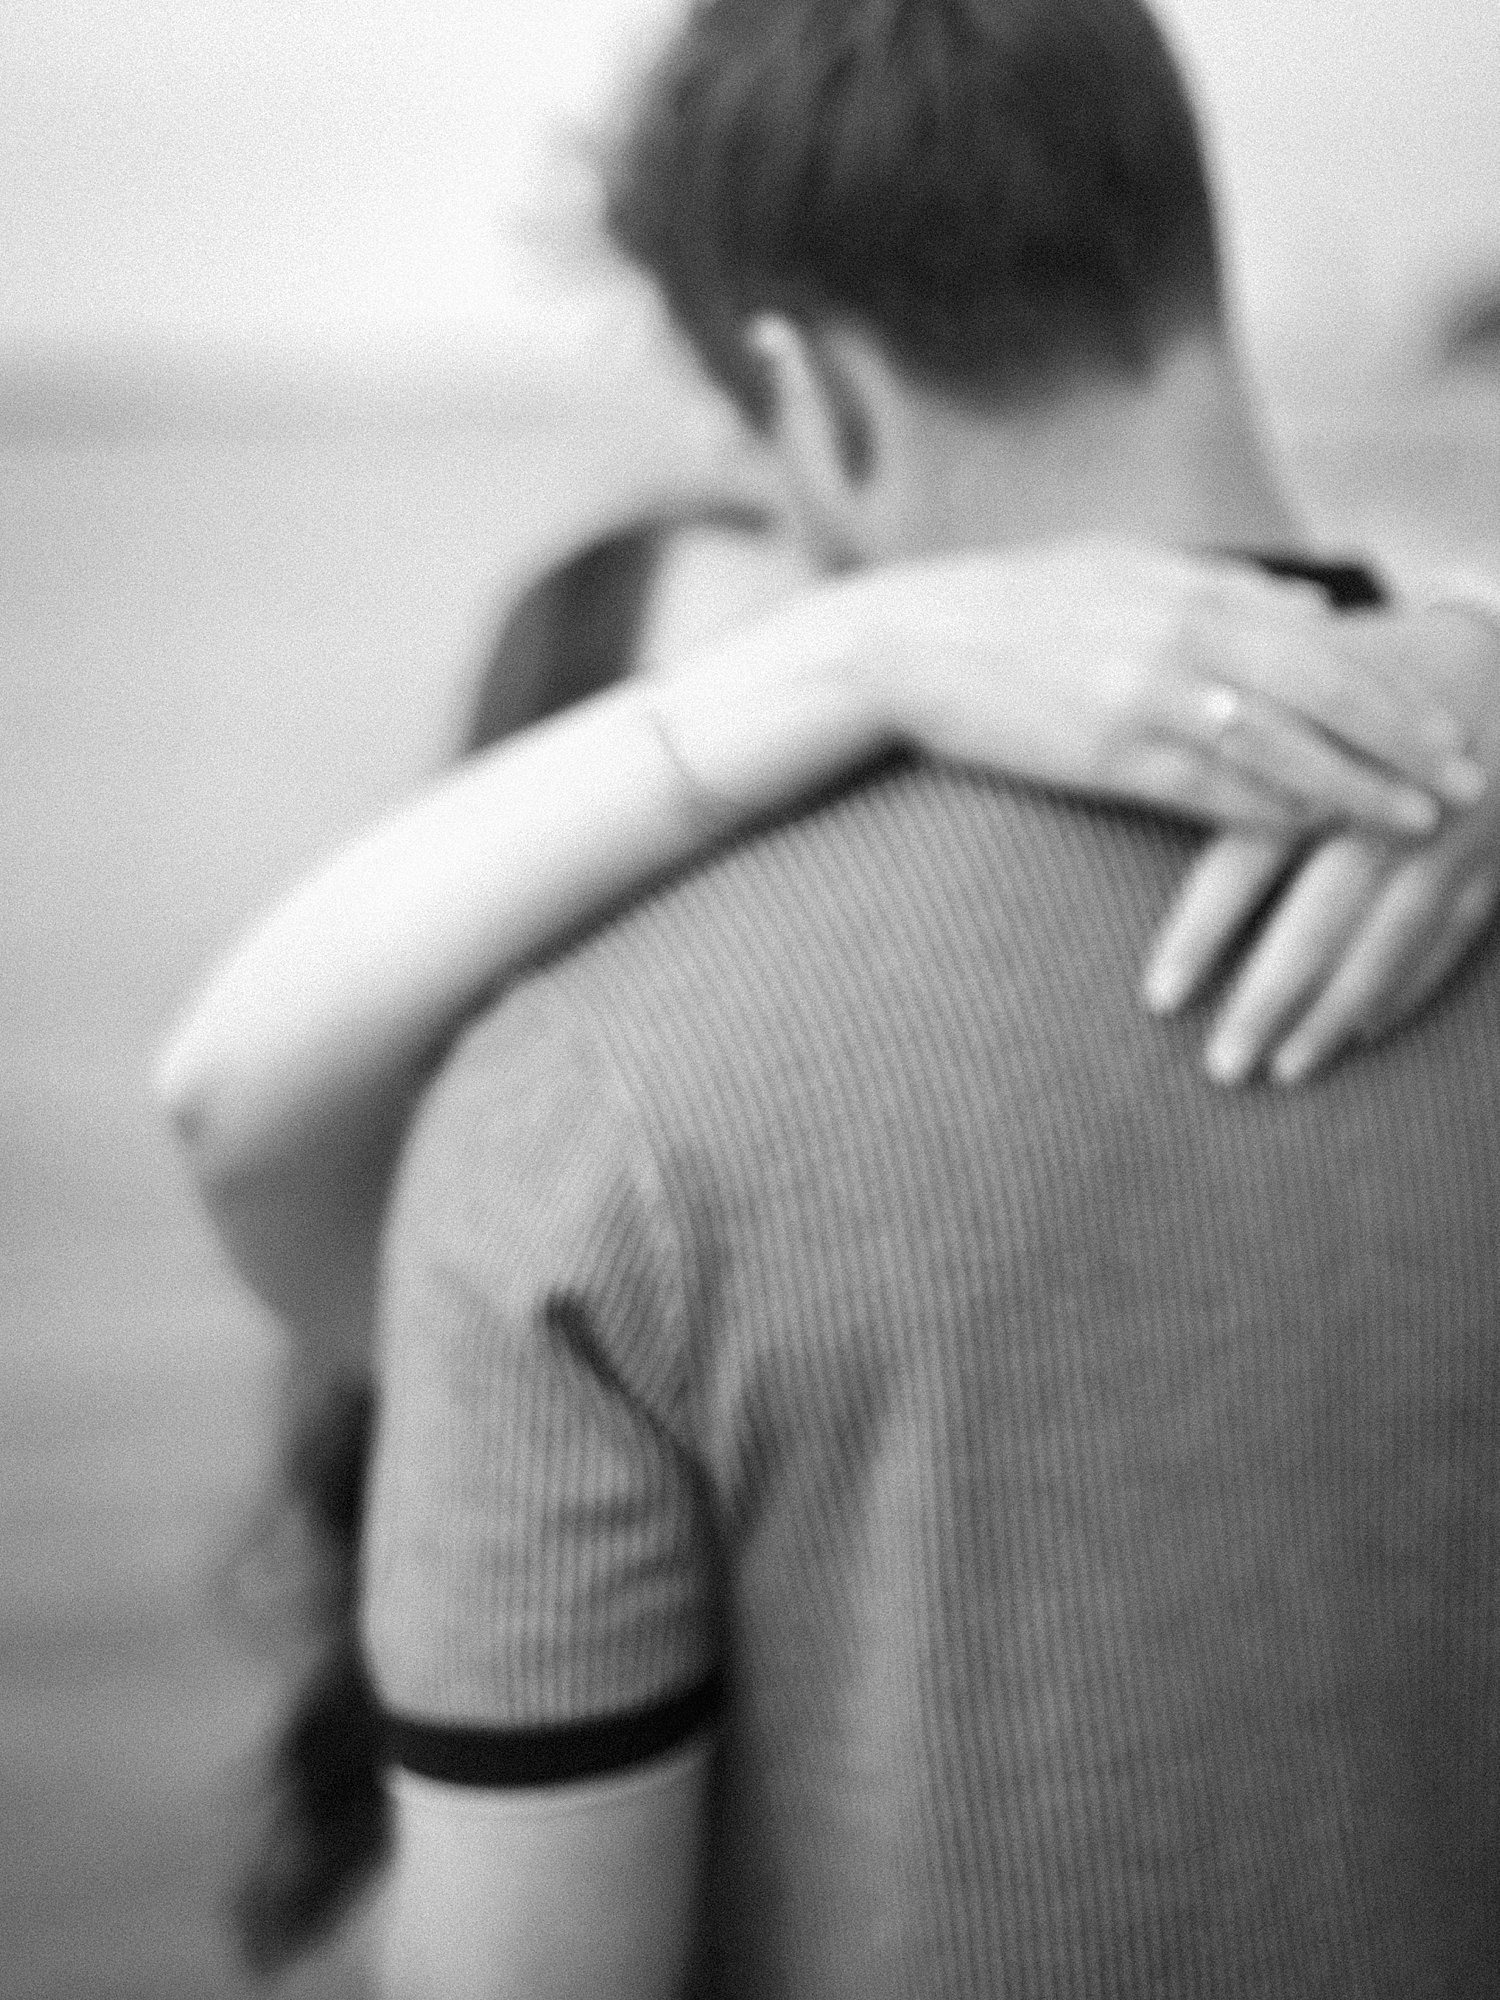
1005,193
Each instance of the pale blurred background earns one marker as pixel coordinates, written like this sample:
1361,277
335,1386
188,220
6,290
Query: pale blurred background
308,356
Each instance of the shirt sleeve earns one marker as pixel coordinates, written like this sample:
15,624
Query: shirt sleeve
539,1586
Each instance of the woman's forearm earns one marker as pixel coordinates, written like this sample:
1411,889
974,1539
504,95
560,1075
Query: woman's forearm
1067,666
332,1006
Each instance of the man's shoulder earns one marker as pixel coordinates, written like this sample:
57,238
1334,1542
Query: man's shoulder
524,1120
864,924
815,883
792,904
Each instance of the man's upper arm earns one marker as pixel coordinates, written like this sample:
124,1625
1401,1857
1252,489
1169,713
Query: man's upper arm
539,1592
569,1889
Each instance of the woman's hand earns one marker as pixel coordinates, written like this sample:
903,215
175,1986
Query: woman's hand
1207,690
1364,932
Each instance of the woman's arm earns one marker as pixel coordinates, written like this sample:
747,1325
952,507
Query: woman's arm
290,1077
1094,669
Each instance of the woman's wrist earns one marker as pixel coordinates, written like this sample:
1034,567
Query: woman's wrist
766,715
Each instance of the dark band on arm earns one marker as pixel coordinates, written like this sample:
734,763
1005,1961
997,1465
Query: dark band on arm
458,1753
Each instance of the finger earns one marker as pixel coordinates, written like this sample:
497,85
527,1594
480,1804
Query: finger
1383,955
1194,784
1278,750
1222,893
1299,664
1337,1020
1306,935
1471,917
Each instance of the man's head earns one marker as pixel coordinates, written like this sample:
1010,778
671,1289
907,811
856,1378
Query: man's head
986,205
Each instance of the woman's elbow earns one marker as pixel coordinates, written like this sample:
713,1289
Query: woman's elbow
192,1091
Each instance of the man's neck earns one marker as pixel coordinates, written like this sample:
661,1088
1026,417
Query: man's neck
1178,461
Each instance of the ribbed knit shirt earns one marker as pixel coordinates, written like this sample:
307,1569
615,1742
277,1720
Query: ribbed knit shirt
824,1292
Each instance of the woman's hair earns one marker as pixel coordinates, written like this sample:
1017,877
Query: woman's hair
577,630
320,1825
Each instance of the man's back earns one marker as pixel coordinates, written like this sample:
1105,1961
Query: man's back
1087,1479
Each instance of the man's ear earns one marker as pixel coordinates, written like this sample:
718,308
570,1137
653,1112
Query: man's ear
833,416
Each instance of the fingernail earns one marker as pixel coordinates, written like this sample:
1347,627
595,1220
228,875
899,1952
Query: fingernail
1292,1065
1462,780
1415,812
1163,990
1228,1061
